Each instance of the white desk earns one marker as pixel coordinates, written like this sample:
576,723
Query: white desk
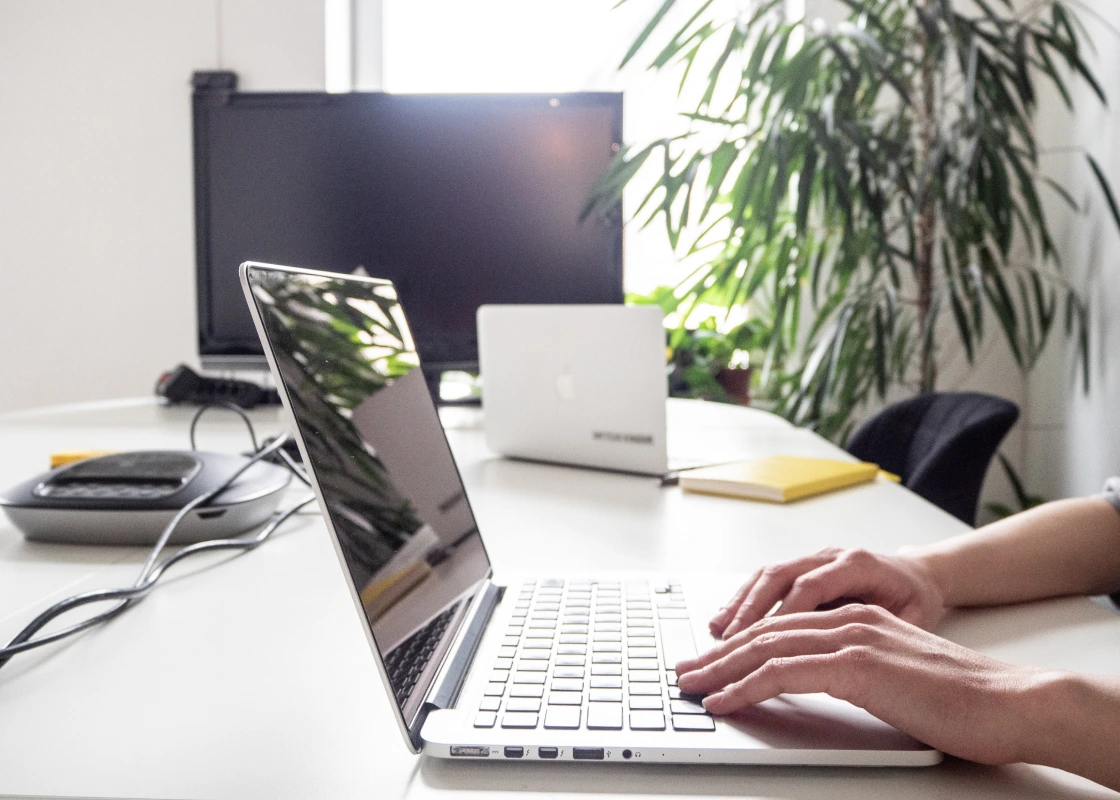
249,676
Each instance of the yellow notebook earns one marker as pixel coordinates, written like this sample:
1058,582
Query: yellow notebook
778,479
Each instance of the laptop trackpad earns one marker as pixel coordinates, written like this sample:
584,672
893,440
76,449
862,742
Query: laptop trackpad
818,722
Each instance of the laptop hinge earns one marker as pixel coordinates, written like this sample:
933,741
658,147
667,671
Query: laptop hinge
445,690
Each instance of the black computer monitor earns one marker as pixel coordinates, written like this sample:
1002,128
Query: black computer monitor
460,200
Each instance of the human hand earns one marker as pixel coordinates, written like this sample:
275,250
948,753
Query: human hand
942,694
900,584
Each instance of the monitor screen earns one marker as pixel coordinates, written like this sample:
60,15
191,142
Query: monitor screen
460,200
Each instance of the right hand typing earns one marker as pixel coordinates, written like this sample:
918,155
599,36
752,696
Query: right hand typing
899,584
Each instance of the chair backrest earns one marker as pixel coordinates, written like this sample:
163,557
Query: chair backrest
940,444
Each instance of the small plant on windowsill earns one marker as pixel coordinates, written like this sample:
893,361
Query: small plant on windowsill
708,361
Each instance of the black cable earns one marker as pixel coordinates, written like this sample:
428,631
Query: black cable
151,572
296,469
127,596
231,407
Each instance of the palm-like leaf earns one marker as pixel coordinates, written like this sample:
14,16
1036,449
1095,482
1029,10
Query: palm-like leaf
879,175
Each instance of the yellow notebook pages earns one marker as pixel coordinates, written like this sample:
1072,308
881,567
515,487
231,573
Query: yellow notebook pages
778,479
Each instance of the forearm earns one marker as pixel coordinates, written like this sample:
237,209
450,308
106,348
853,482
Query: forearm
1068,547
1072,722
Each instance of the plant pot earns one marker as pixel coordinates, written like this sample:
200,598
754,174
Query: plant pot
736,381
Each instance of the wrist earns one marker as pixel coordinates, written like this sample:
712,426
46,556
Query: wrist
1048,718
934,572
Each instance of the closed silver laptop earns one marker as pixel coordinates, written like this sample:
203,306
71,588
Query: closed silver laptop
584,385
553,668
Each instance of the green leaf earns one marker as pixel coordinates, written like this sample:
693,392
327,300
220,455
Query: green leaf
646,31
1106,189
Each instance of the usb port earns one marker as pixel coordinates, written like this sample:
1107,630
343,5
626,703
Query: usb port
587,753
548,752
515,752
470,751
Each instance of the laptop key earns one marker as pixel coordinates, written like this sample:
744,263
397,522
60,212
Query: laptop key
606,669
490,704
573,638
511,641
565,698
607,647
686,707
485,719
567,685
671,677
535,654
604,716
568,672
693,722
647,721
495,690
526,690
675,693
649,703
606,658
646,689
605,696
532,666
517,719
638,676
503,663
529,677
643,664
570,661
522,704
606,682
499,675
571,649
565,717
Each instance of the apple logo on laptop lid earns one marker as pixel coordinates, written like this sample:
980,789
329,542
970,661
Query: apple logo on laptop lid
566,384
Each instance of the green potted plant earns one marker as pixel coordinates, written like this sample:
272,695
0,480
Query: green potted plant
879,180
710,360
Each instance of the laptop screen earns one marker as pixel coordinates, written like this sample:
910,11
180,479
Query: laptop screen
341,347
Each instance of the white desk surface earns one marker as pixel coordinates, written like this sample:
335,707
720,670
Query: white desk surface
249,676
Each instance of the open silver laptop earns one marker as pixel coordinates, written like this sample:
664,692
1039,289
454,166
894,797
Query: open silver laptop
584,385
556,668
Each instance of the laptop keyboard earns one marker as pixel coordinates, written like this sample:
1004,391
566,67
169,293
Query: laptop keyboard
407,660
594,655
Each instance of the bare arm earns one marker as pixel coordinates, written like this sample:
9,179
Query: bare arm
1068,547
945,695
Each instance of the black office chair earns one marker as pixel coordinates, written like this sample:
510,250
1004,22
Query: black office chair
940,444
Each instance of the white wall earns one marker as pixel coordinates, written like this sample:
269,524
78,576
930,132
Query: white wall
96,198
1073,440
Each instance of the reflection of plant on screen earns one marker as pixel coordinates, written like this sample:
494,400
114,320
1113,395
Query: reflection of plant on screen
336,345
